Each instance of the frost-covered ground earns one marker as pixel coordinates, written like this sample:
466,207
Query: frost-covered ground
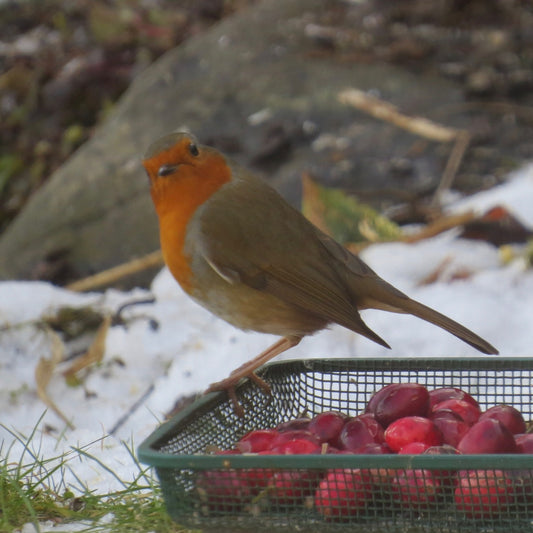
145,370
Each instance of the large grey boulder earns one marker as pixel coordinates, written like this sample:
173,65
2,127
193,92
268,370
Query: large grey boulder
255,86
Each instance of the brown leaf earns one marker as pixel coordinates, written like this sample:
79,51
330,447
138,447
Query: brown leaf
435,274
95,353
313,207
343,216
461,274
497,226
45,370
440,225
73,322
438,273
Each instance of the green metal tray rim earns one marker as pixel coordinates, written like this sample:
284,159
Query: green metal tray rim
148,455
326,462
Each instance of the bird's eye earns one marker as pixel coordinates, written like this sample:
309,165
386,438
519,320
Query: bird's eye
166,170
193,149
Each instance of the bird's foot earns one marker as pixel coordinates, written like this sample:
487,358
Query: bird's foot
234,378
261,383
231,382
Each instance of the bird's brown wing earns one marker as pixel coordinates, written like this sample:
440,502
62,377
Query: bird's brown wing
273,248
374,292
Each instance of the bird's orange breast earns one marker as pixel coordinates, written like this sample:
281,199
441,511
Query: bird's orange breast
176,199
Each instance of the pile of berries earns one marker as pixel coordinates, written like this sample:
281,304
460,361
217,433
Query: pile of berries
401,418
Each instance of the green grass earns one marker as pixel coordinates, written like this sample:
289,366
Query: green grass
29,493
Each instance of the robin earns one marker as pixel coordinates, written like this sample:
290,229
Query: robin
241,251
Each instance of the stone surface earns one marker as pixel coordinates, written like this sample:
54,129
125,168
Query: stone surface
262,87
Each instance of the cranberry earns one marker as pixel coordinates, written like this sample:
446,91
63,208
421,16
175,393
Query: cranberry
359,431
257,440
398,400
412,429
483,493
327,426
468,412
510,417
447,393
487,436
342,492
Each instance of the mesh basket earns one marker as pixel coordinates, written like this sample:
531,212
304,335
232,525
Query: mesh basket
355,493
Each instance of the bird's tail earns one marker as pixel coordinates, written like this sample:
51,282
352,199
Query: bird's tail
430,315
390,299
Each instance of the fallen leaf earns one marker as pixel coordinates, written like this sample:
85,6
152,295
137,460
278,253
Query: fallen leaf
72,322
507,254
343,217
95,353
497,226
436,273
440,225
439,273
529,252
45,370
460,274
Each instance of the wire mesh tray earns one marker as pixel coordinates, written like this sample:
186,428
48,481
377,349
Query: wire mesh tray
373,493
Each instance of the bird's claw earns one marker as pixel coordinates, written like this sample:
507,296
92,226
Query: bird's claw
229,385
261,383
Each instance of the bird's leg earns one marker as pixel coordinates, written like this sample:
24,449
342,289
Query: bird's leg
248,369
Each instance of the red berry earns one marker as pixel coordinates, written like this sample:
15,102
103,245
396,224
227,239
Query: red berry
451,425
294,434
258,478
416,487
483,493
359,431
373,448
380,478
510,417
289,487
487,436
468,412
342,493
447,393
297,446
257,440
412,429
447,478
522,482
524,442
443,449
295,423
448,414
413,448
327,426
375,428
223,490
398,400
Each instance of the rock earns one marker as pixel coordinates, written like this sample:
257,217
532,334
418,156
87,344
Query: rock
261,86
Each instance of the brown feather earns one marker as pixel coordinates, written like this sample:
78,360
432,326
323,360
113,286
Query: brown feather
273,248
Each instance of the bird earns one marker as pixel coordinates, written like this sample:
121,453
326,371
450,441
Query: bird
241,251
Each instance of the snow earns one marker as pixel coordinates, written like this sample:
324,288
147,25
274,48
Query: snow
146,369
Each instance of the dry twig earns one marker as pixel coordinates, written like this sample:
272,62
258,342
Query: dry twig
106,277
440,225
417,125
44,372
